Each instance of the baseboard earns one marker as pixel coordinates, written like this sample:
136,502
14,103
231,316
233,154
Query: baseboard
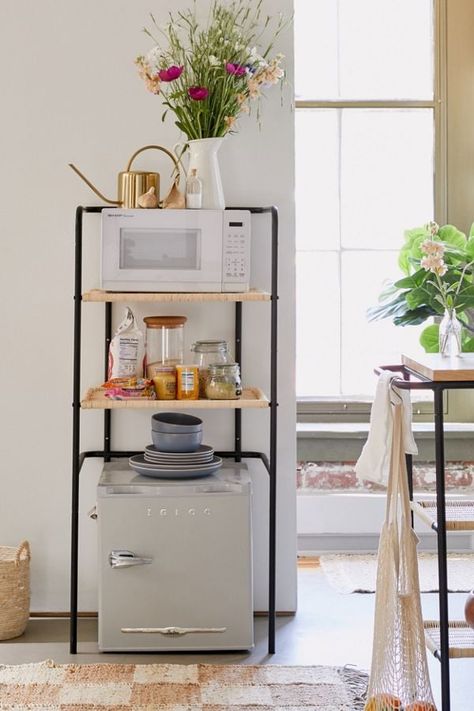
82,615
62,615
317,544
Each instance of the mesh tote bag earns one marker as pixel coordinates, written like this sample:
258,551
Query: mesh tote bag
399,679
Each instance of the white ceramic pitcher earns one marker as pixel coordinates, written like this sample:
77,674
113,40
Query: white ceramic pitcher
202,154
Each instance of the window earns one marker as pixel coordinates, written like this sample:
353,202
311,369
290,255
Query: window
367,91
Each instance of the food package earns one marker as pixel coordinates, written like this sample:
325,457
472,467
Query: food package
124,388
127,349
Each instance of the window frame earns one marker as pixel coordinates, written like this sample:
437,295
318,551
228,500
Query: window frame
316,407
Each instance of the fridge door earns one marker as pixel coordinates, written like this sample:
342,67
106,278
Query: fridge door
175,572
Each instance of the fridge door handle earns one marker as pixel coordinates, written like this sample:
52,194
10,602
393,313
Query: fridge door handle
126,559
173,631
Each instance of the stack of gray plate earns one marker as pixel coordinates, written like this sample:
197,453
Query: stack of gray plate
176,452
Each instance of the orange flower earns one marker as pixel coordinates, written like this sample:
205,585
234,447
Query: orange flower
254,88
229,121
152,83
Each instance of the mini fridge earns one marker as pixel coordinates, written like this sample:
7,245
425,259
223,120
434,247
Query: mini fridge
175,561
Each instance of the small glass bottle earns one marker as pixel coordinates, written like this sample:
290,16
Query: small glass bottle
193,191
450,334
224,382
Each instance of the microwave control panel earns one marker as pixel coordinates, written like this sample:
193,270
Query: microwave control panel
236,251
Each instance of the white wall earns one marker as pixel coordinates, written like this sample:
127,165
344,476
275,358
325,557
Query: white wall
70,93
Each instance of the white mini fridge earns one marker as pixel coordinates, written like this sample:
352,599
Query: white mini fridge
175,561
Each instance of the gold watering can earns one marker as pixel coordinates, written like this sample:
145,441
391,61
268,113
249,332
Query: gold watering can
132,184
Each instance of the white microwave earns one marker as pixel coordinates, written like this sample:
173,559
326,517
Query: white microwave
175,250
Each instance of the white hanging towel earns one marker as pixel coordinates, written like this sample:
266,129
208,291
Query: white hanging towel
374,461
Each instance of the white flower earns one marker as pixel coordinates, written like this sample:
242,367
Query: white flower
256,58
153,60
432,227
213,61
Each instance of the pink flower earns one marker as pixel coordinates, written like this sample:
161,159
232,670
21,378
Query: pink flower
237,69
431,247
198,93
171,73
434,263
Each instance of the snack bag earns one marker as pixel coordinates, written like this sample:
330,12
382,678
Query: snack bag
127,349
127,388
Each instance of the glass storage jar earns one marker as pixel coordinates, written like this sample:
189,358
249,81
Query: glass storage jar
208,352
224,381
164,342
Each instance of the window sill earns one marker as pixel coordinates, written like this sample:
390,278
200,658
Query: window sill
360,430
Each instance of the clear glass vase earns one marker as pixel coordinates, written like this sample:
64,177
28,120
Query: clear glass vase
450,330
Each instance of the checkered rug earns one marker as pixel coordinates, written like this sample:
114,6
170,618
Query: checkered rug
177,687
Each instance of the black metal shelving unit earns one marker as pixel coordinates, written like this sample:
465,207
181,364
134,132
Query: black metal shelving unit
79,457
410,380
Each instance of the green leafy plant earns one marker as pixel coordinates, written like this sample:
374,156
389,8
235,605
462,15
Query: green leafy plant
210,72
437,263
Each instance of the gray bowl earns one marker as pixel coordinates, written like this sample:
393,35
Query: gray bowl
183,442
175,423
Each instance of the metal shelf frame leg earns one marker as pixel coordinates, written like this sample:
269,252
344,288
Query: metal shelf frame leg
76,427
273,436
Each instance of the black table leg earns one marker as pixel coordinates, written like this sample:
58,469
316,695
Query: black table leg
442,551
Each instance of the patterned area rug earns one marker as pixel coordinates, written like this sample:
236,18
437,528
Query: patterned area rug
357,573
177,687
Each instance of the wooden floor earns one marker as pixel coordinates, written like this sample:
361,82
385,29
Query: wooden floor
329,628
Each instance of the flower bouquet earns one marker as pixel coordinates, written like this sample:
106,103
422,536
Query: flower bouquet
208,75
438,266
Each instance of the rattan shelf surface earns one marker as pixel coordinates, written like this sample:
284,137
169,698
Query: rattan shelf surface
251,398
461,638
459,514
98,295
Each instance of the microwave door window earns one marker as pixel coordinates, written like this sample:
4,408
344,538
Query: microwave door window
160,249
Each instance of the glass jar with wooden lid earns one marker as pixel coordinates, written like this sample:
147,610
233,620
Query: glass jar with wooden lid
164,342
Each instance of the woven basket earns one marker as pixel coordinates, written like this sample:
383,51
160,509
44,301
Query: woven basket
14,590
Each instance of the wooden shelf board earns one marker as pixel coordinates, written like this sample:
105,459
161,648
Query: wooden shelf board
441,368
251,398
461,638
98,295
459,514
